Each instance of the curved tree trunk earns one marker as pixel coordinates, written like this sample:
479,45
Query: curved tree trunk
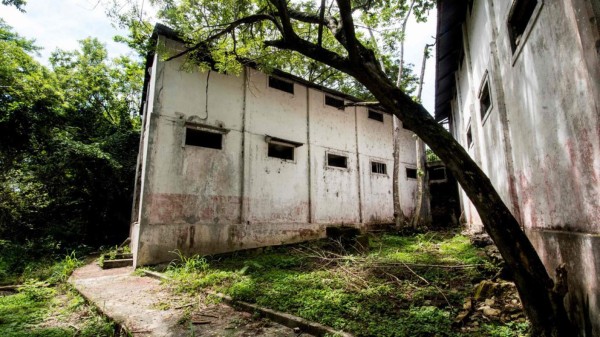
542,304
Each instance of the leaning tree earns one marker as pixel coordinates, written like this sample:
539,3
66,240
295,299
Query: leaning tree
330,35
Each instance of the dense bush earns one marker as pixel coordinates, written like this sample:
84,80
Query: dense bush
68,145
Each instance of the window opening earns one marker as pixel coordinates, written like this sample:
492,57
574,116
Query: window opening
334,102
411,173
438,173
484,100
380,168
281,151
335,160
211,140
469,137
378,116
518,18
280,84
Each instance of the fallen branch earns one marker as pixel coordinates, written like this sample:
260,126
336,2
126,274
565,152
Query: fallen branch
13,287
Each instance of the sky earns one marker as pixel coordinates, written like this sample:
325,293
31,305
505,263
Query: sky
59,24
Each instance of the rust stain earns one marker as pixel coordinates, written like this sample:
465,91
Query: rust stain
191,209
192,231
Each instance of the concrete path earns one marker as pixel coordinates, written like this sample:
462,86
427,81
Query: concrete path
146,308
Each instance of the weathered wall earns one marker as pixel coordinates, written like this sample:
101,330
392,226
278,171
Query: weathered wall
540,143
203,200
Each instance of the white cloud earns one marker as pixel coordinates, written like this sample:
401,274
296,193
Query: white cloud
61,24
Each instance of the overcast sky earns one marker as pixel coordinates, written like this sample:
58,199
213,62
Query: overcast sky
59,24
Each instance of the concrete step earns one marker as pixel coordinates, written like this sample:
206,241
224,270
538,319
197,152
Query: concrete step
117,263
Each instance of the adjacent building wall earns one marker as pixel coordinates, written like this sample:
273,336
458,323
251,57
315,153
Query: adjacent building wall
540,141
202,200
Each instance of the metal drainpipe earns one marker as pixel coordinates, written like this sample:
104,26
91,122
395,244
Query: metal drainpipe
308,146
358,172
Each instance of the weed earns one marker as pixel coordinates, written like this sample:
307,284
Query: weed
406,286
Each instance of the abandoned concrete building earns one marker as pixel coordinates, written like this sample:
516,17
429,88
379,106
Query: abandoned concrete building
518,82
236,162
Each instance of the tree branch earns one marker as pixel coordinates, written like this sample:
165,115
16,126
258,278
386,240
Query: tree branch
321,17
348,29
228,29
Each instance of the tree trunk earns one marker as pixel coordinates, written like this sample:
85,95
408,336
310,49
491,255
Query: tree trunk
542,304
399,217
422,215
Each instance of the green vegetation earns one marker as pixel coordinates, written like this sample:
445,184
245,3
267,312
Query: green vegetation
45,306
68,145
405,285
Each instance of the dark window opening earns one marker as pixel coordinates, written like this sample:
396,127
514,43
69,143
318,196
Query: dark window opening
281,151
280,84
438,173
519,17
376,115
337,161
211,140
469,137
485,101
334,102
411,173
380,168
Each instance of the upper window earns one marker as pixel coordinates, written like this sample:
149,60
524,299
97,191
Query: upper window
281,151
281,148
485,101
437,173
201,138
469,137
519,17
411,173
280,84
378,116
334,102
335,160
379,168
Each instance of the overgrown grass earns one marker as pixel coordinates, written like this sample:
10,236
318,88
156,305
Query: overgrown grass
44,304
405,285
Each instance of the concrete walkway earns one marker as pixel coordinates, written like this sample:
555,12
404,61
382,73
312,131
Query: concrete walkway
145,308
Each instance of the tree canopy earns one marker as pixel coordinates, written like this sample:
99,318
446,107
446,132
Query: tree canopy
68,143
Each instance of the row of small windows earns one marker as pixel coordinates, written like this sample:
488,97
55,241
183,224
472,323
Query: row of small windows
337,103
214,140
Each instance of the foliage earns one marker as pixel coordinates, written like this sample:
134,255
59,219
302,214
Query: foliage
431,156
367,295
44,294
68,144
199,21
17,3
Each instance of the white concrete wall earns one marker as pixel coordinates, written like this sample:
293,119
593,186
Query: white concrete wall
202,200
277,190
540,144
